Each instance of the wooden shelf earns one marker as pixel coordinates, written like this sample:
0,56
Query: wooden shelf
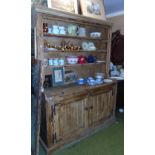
71,65
74,37
80,51
49,72
58,93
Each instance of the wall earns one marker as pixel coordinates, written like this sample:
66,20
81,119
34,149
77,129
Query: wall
118,22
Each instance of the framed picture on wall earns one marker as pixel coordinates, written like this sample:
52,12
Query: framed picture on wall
64,5
93,8
57,76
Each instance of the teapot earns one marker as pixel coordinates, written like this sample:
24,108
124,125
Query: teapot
81,59
91,59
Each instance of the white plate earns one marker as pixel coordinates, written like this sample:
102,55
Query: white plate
116,77
100,61
107,80
51,49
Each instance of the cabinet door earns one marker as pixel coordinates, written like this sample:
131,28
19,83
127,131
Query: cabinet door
101,106
70,116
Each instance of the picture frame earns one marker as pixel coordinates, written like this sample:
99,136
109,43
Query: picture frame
57,76
93,8
64,5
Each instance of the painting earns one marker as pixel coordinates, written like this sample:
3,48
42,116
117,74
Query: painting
64,5
57,76
93,8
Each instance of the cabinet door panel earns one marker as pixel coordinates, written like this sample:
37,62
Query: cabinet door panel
100,106
70,117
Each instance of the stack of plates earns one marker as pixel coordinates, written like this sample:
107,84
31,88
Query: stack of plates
117,78
107,80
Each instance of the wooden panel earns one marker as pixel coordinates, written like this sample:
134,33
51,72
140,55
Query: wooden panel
49,121
36,99
70,117
100,106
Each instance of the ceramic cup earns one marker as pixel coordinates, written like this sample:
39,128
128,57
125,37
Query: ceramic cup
49,30
55,62
82,32
50,62
55,29
62,30
61,61
92,82
99,80
81,81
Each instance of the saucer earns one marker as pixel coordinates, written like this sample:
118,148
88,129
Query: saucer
51,49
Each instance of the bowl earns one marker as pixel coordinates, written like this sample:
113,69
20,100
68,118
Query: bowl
72,59
95,34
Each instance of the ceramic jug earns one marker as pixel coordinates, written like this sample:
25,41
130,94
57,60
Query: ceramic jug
72,30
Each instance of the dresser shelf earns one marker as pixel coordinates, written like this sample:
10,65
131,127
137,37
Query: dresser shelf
74,37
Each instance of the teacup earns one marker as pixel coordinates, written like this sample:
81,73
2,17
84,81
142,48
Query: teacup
50,62
55,62
81,81
92,82
49,30
55,29
62,30
82,32
99,80
61,61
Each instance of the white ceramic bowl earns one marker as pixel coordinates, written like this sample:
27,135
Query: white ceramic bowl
95,34
72,60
